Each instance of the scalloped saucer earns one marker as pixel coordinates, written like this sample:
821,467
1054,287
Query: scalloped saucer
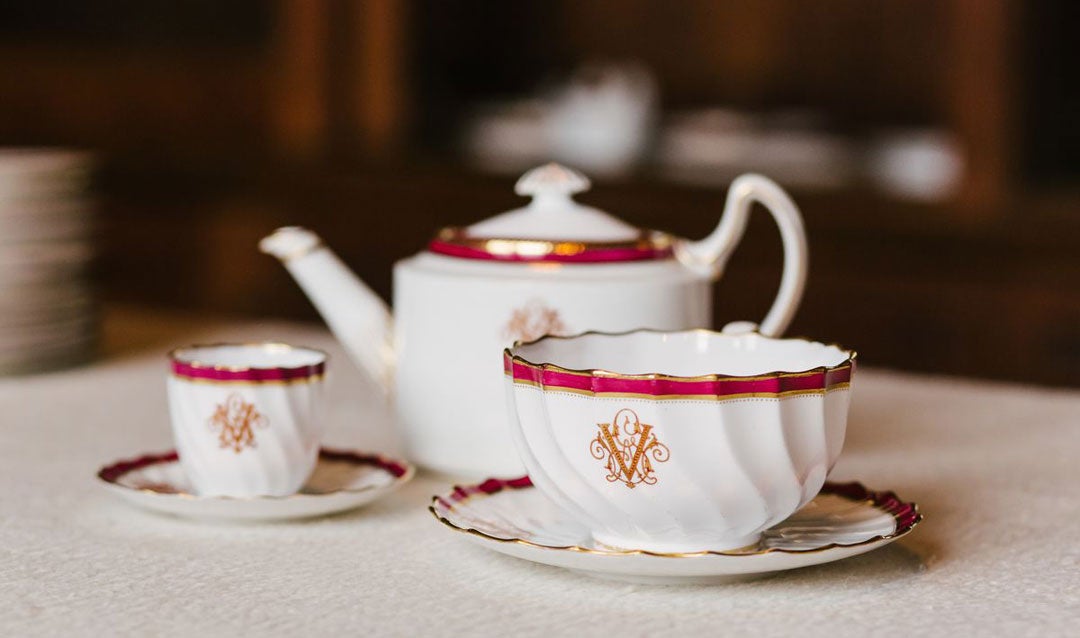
342,480
512,517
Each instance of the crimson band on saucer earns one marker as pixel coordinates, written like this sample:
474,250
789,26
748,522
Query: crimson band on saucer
905,516
398,469
455,242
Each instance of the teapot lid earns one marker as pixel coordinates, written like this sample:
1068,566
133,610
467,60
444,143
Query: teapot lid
553,228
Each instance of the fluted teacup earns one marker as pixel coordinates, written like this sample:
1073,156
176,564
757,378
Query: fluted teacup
678,442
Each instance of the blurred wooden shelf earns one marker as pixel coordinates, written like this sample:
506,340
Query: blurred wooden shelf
220,121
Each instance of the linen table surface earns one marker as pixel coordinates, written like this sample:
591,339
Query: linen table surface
994,467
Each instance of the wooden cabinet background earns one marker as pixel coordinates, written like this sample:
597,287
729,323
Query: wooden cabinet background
217,122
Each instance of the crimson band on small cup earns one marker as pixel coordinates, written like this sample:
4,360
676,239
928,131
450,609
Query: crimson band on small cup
189,371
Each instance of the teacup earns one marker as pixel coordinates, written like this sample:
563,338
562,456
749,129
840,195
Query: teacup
247,418
678,442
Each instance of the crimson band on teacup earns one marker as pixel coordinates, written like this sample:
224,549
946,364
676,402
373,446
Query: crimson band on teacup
828,379
267,362
757,383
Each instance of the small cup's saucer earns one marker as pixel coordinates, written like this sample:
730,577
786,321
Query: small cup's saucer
514,518
342,480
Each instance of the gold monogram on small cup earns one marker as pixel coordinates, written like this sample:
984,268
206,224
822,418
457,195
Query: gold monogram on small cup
235,422
628,449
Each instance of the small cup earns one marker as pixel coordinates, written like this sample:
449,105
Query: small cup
247,418
678,442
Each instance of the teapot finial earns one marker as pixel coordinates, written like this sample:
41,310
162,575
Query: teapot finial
552,179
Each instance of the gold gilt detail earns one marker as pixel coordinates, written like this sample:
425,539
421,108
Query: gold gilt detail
532,321
628,449
235,421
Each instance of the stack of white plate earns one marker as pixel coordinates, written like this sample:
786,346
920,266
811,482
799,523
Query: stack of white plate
48,311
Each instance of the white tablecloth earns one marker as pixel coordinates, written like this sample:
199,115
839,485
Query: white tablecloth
994,467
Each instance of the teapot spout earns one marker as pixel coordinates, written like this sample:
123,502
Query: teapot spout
356,315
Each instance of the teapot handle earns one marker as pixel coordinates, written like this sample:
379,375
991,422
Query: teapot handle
708,256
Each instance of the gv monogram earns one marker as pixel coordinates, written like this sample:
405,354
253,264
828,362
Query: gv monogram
235,421
628,449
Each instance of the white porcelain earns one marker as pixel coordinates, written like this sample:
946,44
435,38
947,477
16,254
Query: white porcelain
30,337
69,351
37,223
919,164
554,266
32,264
512,518
710,146
602,119
48,310
247,418
66,313
508,136
681,441
43,174
342,480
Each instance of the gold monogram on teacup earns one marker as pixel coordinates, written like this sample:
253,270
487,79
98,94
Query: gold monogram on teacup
626,447
235,421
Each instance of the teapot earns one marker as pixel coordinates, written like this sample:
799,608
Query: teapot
553,266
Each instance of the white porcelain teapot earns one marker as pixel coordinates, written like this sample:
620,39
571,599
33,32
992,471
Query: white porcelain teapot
553,266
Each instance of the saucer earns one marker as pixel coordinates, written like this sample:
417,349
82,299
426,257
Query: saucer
342,480
514,518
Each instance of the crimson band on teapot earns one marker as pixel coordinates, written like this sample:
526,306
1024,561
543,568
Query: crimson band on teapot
455,242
